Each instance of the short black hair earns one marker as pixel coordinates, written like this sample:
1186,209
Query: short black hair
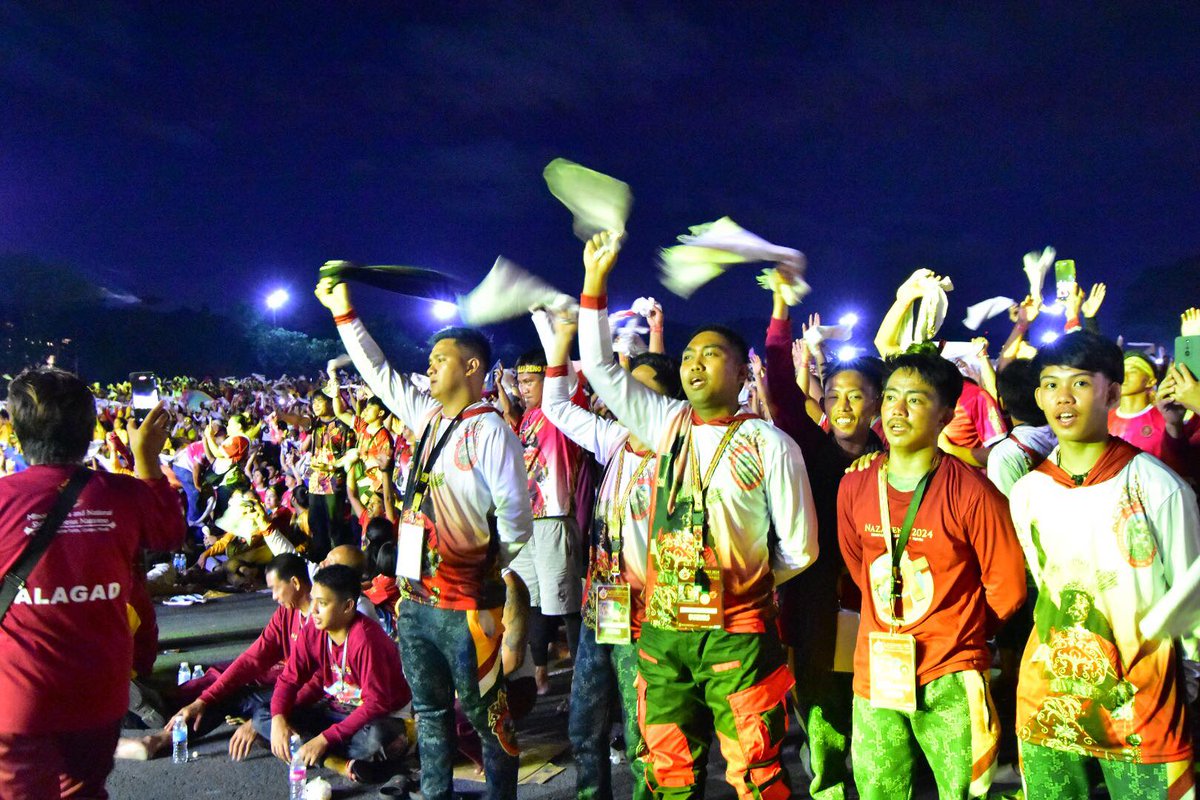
870,368
666,371
1086,351
53,415
343,581
734,339
379,529
939,373
468,339
376,401
287,566
1016,384
535,357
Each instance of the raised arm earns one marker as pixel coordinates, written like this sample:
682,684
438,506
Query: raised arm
403,399
593,433
640,409
887,338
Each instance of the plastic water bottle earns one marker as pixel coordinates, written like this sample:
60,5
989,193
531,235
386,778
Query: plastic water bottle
197,672
185,673
297,772
179,742
180,562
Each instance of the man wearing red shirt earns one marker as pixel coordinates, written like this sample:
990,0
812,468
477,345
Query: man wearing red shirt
931,546
340,686
68,627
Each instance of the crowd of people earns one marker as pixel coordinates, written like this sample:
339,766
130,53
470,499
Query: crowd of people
933,556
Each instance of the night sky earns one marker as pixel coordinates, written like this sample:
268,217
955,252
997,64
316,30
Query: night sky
206,152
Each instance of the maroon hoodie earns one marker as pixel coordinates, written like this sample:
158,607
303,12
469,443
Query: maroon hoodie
65,646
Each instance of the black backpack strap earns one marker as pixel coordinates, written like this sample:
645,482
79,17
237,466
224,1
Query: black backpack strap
39,542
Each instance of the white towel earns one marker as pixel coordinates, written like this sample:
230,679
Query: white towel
985,310
1036,266
925,317
709,249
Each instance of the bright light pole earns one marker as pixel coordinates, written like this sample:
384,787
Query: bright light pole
275,301
443,310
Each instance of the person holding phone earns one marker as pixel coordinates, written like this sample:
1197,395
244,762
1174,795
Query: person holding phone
68,626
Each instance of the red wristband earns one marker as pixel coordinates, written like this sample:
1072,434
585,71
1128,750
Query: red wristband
556,371
593,302
342,319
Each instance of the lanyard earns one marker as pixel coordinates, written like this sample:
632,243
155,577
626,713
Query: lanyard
896,550
618,513
700,487
418,476
341,679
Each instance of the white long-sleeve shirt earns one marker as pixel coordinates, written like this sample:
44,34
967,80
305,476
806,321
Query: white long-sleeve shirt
622,500
476,509
759,511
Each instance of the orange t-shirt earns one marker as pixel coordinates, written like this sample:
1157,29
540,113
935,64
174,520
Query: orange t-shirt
963,569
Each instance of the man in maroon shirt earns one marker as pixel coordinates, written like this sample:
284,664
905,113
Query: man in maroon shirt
341,684
244,688
68,627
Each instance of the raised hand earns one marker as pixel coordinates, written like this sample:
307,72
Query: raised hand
1094,299
334,295
1189,322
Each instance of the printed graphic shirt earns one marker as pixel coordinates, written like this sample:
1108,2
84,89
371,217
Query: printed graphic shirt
622,509
331,439
552,462
1147,430
476,510
69,628
977,420
361,677
759,517
262,663
1104,556
963,572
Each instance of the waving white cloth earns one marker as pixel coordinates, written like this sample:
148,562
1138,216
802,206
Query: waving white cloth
965,356
982,312
709,249
791,286
598,202
818,334
924,318
507,292
1036,266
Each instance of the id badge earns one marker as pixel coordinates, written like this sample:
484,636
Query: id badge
893,660
409,549
613,607
700,608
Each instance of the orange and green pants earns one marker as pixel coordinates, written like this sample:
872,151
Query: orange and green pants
692,683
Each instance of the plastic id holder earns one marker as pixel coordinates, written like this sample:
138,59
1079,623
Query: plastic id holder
700,608
409,550
893,660
613,612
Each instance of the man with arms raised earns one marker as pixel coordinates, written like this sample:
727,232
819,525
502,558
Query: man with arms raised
1108,531
466,515
732,517
930,544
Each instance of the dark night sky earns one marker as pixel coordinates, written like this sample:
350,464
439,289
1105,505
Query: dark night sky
196,150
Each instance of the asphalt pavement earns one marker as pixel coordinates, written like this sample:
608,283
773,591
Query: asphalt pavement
222,628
